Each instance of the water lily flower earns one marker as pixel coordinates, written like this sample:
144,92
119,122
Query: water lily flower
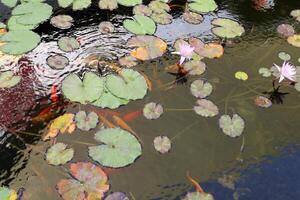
185,51
286,71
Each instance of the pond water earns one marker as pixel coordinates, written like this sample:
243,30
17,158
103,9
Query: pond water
198,145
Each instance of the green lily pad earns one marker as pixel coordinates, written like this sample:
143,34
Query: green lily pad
296,14
129,3
198,196
158,6
265,72
62,21
162,144
57,61
19,41
8,79
142,10
206,108
227,28
192,18
129,85
201,89
108,4
119,149
31,13
76,4
68,44
195,67
232,127
58,154
13,24
284,56
202,6
2,25
140,25
162,18
86,122
9,3
153,110
7,194
86,91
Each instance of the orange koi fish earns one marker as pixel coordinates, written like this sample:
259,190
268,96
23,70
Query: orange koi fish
149,83
54,96
195,183
107,112
131,115
106,122
121,123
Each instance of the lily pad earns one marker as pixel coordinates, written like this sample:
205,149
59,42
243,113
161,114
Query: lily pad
76,4
263,102
106,27
58,154
129,85
294,40
162,144
162,18
130,3
89,182
18,42
142,10
201,89
7,194
108,4
192,18
119,149
227,28
202,6
147,47
296,14
194,67
286,30
13,24
210,50
8,79
158,6
128,61
241,75
86,122
68,44
153,110
198,196
265,72
140,25
297,86
284,56
117,196
62,21
206,108
9,3
83,91
57,61
232,127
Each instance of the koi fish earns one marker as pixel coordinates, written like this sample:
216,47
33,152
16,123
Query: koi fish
131,115
54,96
107,112
195,183
106,122
45,115
149,83
120,122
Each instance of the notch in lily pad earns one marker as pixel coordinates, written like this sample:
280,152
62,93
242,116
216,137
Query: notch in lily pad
140,25
227,28
86,121
232,127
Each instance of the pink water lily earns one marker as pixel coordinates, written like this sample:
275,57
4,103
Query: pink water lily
286,71
185,51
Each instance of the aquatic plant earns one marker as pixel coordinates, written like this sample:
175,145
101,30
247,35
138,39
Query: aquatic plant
286,71
85,121
153,110
58,154
227,28
185,52
201,89
8,79
232,127
162,144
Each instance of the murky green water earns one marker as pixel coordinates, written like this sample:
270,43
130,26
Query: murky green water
198,145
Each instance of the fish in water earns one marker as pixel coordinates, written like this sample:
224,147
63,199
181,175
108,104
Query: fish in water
132,115
106,122
121,123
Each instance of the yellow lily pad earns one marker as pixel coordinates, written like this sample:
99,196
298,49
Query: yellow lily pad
241,75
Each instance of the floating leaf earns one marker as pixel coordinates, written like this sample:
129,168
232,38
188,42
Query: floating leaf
86,122
128,61
262,101
296,14
19,41
8,79
198,196
162,144
201,89
57,61
117,196
241,75
9,3
265,72
140,25
31,13
194,67
232,127
148,47
192,18
153,110
227,28
297,86
13,24
76,4
162,18
158,6
130,3
119,148
108,4
7,194
142,10
89,182
58,154
61,124
284,56
106,27
286,30
62,21
68,44
210,50
202,6
206,108
294,40
85,91
129,85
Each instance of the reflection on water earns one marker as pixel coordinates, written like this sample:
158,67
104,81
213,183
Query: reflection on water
198,145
